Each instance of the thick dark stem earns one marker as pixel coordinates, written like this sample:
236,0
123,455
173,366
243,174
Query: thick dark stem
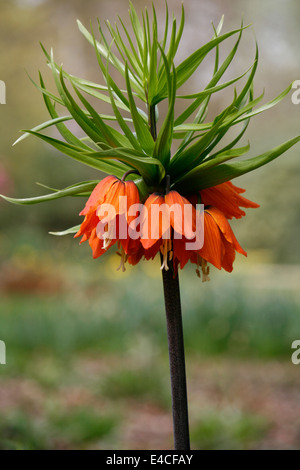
177,360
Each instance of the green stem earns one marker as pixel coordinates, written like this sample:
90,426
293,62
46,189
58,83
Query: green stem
152,121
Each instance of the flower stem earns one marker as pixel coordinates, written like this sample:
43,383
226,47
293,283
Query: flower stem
152,122
177,360
175,339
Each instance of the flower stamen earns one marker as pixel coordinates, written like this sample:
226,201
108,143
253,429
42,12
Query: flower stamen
205,270
105,237
124,258
167,253
202,264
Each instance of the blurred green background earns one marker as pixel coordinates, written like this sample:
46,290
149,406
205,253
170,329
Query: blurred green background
87,360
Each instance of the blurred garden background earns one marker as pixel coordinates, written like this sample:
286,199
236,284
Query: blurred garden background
87,359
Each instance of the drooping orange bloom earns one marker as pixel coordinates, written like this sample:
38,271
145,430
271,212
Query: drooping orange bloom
221,202
105,212
226,197
220,245
164,219
167,225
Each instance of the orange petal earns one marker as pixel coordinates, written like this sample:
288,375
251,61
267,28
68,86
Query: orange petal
133,197
133,259
182,214
225,228
212,247
228,255
236,188
89,223
113,195
180,252
226,197
155,220
153,250
96,244
98,194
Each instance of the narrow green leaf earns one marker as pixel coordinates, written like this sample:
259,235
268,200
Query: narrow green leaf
66,232
106,131
227,171
266,106
180,31
131,44
137,28
44,125
125,53
131,138
171,51
64,131
213,82
217,57
146,47
162,149
148,167
104,51
211,162
164,42
71,191
142,131
152,84
210,91
77,153
249,81
190,65
193,155
101,48
237,138
234,117
91,129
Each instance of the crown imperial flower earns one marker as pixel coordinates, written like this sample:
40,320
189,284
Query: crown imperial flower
166,186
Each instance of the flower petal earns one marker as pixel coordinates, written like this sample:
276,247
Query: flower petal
227,199
98,194
113,195
182,214
155,220
212,247
225,228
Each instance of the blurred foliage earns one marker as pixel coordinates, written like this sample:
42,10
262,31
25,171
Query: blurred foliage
19,431
51,294
86,355
229,429
140,385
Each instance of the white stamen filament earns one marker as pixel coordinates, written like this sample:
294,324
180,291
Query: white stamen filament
166,251
107,236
